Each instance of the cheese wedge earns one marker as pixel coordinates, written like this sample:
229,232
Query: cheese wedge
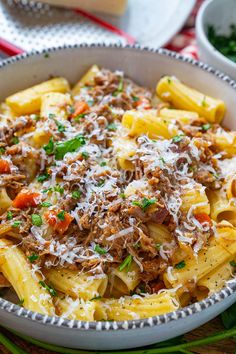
112,7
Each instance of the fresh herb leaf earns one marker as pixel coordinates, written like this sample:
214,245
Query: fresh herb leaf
47,190
145,203
96,298
15,140
158,246
101,183
45,204
232,263
122,195
50,289
162,160
120,87
36,220
61,128
206,127
71,145
112,127
85,155
79,116
180,265
33,258
100,250
51,116
224,43
103,163
135,98
43,177
126,264
61,215
9,215
76,194
2,150
58,189
49,148
16,223
177,138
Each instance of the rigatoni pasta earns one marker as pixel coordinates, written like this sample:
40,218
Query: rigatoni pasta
115,204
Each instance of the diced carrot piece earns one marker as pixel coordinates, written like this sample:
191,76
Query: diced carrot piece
26,199
80,107
203,218
59,225
143,103
4,166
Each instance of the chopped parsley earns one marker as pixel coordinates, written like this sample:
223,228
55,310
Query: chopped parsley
85,155
49,147
79,116
9,215
232,263
61,128
16,223
120,87
180,265
145,203
162,160
51,116
100,250
21,301
177,138
103,163
204,104
71,145
2,150
122,195
45,204
112,127
224,43
76,194
95,298
61,215
206,127
47,190
135,98
126,264
101,183
33,258
43,177
158,246
50,289
36,220
15,140
59,189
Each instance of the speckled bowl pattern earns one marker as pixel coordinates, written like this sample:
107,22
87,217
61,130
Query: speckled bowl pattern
145,66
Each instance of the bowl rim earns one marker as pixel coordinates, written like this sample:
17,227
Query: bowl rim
57,321
202,36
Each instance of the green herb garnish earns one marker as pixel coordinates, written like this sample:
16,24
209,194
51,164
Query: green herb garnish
2,150
232,263
61,128
103,163
33,258
50,289
206,127
122,195
43,177
76,194
61,215
158,246
58,189
85,155
45,204
15,140
36,220
112,127
21,301
145,203
177,138
101,183
224,43
100,250
135,98
71,145
79,116
9,215
126,264
180,265
49,148
120,87
47,190
96,298
16,223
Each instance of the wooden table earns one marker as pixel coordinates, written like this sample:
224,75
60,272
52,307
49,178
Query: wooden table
224,347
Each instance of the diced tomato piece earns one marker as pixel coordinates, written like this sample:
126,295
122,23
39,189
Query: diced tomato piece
26,199
4,166
143,103
56,223
203,218
80,107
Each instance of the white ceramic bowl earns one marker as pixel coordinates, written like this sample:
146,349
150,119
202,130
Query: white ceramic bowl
146,67
221,14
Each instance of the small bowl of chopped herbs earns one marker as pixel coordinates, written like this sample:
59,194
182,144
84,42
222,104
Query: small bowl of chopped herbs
216,35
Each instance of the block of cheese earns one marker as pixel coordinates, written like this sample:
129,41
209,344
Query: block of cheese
113,7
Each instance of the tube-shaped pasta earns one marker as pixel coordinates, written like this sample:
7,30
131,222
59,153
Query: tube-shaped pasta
77,284
55,103
181,116
195,199
159,233
125,148
221,207
29,101
16,269
139,122
87,79
130,308
75,309
5,200
226,141
123,281
181,96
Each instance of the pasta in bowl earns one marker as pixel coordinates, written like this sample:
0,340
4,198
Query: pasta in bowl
115,203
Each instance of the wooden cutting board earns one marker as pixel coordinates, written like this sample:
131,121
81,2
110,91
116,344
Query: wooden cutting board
223,347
